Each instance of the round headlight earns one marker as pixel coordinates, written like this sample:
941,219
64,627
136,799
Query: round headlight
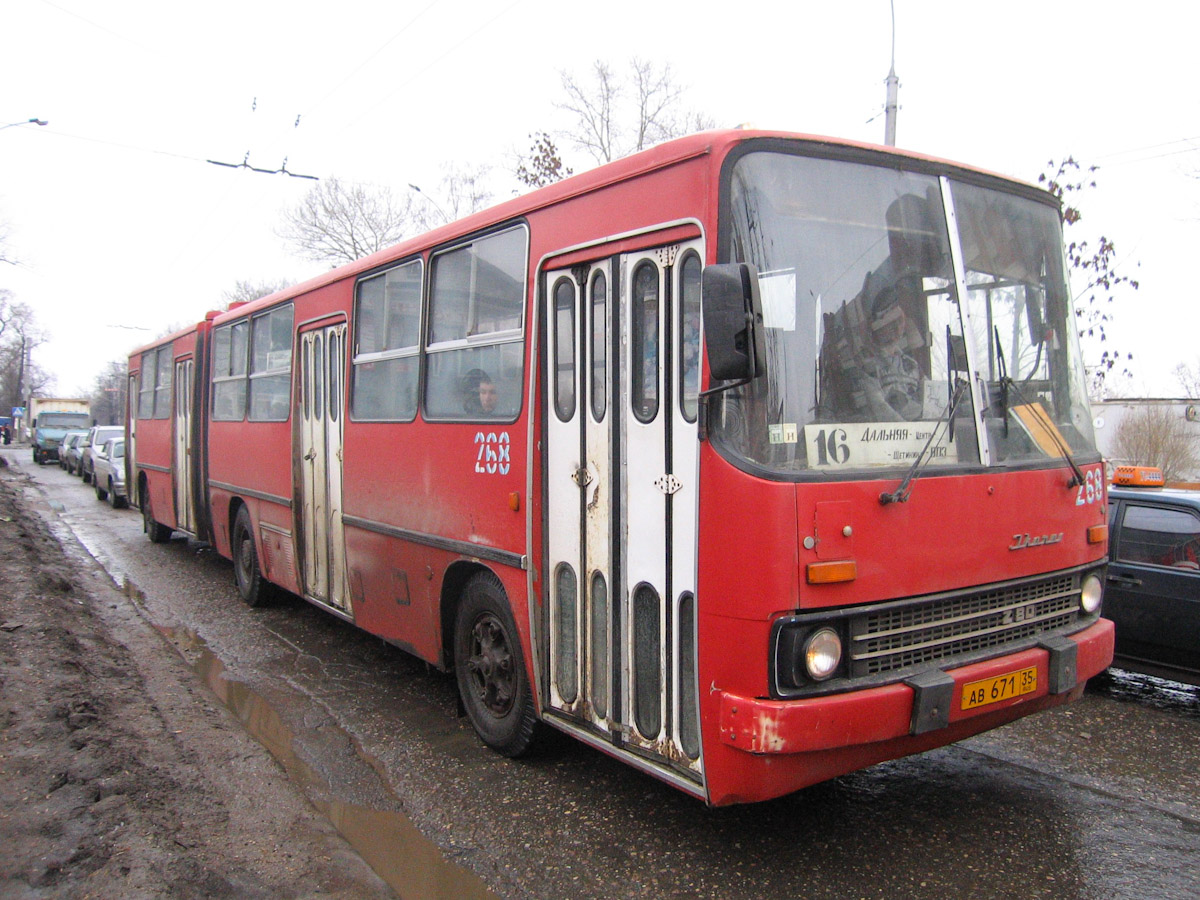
1091,594
822,653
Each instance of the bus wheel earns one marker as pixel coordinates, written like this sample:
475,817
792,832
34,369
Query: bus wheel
490,669
156,531
255,589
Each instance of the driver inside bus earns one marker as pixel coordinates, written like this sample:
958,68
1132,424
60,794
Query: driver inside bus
891,378
875,377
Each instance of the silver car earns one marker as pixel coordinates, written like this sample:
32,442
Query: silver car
96,437
108,472
69,449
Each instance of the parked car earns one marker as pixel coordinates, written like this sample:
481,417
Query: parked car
68,450
1153,592
95,439
108,473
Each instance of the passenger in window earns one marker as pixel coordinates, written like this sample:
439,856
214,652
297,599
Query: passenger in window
1186,555
479,393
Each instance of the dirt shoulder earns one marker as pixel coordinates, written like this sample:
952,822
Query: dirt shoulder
122,775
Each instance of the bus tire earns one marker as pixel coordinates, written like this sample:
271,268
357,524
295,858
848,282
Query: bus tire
156,531
490,669
255,590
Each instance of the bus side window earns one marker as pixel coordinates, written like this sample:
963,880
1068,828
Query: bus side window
271,365
476,312
387,334
475,383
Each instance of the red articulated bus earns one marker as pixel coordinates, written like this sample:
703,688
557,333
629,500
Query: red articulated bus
752,459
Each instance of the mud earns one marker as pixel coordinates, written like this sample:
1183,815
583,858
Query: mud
122,775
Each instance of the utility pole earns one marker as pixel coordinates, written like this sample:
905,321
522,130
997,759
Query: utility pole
889,121
23,361
893,91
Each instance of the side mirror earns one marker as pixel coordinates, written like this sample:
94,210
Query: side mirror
733,322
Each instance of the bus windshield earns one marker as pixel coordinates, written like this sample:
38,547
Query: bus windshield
872,360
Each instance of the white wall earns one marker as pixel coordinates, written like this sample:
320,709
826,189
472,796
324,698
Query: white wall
1107,416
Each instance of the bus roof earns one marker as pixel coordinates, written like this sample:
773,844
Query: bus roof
715,144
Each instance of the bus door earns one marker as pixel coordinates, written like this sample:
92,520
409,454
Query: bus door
622,472
319,440
181,463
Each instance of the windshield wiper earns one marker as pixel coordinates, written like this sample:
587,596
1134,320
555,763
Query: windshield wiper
1039,414
902,491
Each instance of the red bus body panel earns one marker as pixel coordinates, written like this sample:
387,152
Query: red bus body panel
156,436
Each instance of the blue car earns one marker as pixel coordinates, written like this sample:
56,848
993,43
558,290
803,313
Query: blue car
1153,591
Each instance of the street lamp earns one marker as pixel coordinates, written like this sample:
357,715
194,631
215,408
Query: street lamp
893,89
430,201
24,122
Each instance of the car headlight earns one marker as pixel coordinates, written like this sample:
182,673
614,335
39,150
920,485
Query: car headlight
822,654
1090,594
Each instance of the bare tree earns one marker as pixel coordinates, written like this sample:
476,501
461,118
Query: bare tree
1096,278
615,116
657,97
591,105
338,222
109,394
1189,379
245,291
463,191
6,254
1157,435
20,334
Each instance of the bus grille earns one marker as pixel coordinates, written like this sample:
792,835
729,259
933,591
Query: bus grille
890,639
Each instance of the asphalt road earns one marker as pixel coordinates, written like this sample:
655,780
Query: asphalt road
1096,800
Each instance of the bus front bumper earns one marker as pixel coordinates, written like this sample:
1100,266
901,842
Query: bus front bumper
919,706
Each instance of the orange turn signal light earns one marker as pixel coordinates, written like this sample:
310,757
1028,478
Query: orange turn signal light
831,572
1097,534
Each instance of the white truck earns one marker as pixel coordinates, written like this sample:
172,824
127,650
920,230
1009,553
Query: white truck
50,418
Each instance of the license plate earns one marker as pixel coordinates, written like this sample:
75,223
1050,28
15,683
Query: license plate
1002,687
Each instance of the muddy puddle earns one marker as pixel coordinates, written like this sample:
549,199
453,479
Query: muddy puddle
412,865
1150,691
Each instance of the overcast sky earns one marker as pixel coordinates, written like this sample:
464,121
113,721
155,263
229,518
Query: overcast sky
123,229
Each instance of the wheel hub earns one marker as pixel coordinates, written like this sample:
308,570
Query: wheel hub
491,666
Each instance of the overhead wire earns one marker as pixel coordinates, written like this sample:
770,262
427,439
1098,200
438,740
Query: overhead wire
119,144
403,84
1194,141
95,25
362,65
325,97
